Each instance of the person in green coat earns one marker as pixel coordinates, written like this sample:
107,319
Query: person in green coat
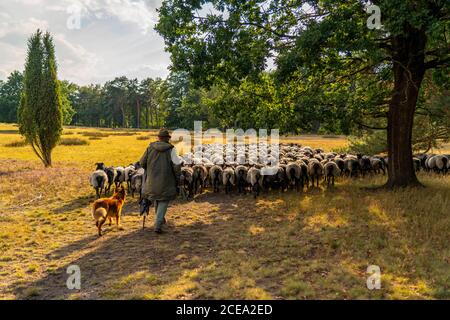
162,175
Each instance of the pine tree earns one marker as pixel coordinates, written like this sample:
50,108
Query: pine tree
40,110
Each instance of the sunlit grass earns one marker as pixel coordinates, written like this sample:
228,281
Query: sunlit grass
314,245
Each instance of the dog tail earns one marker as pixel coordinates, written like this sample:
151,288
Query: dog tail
99,215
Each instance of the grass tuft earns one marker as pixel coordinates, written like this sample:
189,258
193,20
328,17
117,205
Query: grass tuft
16,144
73,142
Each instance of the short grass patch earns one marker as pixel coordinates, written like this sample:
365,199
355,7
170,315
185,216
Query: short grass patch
311,245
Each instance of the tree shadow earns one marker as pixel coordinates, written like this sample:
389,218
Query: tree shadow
240,239
10,131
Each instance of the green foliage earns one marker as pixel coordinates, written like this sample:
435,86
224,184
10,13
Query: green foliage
40,111
68,92
10,97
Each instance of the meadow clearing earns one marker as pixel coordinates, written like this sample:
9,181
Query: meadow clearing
312,245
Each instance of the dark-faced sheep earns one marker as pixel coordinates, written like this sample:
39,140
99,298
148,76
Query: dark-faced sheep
315,171
331,172
112,175
294,174
120,178
438,163
254,178
98,180
241,178
377,165
228,179
200,175
215,177
187,181
351,166
365,165
136,183
340,163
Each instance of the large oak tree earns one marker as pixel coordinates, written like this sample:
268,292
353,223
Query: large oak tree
324,44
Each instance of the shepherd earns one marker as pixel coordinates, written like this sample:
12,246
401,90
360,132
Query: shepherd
162,175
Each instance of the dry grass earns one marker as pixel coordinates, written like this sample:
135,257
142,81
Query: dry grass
317,244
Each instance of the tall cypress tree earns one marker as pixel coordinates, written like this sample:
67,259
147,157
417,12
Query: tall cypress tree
40,110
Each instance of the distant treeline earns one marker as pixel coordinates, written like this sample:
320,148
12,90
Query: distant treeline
174,103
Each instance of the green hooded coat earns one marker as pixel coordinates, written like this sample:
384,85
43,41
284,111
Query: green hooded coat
161,174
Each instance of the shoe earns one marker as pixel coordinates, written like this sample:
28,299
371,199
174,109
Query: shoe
159,231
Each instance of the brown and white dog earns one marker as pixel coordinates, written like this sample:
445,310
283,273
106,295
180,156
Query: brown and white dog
108,208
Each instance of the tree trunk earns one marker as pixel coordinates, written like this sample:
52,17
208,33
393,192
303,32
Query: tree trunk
409,70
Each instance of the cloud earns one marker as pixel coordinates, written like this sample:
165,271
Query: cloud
116,38
75,61
135,12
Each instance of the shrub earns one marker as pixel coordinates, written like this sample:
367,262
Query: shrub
16,144
131,133
94,134
73,142
373,143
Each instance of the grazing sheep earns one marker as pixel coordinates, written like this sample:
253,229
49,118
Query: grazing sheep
352,166
364,164
120,178
315,171
112,175
187,175
340,163
215,175
438,163
331,172
377,165
136,182
254,178
228,179
98,180
199,177
294,174
129,171
241,177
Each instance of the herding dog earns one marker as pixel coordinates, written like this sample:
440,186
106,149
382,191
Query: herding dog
108,208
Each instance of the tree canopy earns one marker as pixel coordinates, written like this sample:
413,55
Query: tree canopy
324,53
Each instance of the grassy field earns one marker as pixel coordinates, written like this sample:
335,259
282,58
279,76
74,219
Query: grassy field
314,245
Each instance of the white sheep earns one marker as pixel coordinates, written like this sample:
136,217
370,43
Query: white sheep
331,172
315,171
228,179
98,180
255,179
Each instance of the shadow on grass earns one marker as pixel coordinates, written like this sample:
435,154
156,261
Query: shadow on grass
243,248
12,131
75,204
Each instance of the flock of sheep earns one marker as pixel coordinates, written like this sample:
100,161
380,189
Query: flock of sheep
249,168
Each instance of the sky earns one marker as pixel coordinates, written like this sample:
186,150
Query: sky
95,40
